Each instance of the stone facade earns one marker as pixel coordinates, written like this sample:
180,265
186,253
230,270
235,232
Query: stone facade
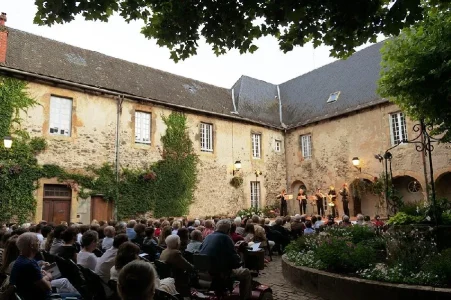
93,141
361,134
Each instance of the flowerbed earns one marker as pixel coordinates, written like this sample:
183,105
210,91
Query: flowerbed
405,255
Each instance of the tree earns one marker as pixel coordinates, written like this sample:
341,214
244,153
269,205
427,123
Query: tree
236,24
416,71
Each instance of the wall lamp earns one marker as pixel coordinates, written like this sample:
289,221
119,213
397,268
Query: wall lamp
236,167
7,142
356,164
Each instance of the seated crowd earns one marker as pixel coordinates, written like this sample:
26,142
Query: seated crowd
110,249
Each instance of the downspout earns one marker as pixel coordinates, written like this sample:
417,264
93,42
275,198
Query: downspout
120,99
280,108
287,178
233,101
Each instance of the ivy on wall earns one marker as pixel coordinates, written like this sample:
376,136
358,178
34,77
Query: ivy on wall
166,188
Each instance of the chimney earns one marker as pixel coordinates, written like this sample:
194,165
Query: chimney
3,38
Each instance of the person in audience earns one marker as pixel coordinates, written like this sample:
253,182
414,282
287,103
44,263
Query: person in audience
297,227
108,240
68,249
221,250
157,226
127,252
121,227
287,223
150,238
167,231
136,281
10,255
345,221
209,228
249,232
308,228
235,236
318,223
39,233
81,230
31,282
313,220
140,230
86,257
183,233
367,221
150,244
360,220
3,241
239,229
195,242
130,229
172,255
107,260
175,227
57,241
378,222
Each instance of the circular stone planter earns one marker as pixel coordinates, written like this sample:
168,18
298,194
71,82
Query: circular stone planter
331,286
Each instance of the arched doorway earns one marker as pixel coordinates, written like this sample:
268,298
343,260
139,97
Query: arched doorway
443,186
409,189
364,200
293,205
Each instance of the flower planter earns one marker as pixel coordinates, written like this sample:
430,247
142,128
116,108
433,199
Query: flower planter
331,286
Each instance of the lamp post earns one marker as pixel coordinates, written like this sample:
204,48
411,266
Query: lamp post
356,164
7,142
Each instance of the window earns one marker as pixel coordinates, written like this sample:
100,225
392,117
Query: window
256,145
333,97
306,146
255,194
206,137
142,127
60,116
398,131
278,146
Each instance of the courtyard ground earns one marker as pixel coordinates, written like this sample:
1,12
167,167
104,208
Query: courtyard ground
282,289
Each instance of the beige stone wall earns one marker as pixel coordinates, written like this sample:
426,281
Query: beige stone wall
93,142
363,134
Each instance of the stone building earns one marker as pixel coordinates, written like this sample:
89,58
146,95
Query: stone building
304,132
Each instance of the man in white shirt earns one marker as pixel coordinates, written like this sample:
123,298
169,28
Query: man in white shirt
38,233
106,261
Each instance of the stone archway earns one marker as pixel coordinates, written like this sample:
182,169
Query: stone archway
364,200
293,205
409,188
443,186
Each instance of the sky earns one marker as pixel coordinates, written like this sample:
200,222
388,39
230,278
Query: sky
121,40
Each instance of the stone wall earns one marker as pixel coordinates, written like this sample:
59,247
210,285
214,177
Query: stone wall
93,142
362,134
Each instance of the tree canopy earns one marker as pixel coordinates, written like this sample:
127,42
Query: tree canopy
416,71
236,24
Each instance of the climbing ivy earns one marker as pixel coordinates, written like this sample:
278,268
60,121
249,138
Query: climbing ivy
19,170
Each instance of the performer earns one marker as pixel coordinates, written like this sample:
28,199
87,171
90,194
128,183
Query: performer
302,198
345,198
283,203
333,197
319,202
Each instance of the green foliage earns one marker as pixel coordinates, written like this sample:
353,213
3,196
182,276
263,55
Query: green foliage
236,181
227,25
19,169
401,218
440,265
416,68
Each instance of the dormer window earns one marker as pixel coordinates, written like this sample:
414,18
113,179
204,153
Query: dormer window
333,97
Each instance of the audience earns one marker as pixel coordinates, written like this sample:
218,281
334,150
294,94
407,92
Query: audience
10,255
235,236
56,240
209,228
346,222
183,233
127,252
308,228
108,240
107,260
140,230
68,249
130,229
86,258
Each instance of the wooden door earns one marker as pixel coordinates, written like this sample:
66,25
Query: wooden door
57,203
101,210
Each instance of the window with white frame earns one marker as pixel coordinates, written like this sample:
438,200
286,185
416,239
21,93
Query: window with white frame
398,130
256,145
60,122
306,146
255,194
278,146
142,127
206,137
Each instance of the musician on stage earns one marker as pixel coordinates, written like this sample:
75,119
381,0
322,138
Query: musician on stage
319,202
345,198
302,199
283,203
333,197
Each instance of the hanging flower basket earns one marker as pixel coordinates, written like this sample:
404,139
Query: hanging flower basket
236,182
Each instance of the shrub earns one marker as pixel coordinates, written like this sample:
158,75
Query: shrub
401,218
440,265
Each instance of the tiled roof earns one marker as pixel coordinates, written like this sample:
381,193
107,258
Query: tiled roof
303,98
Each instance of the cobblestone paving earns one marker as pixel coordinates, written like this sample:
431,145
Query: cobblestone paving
282,290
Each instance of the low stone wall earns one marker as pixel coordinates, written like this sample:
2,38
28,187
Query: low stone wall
330,286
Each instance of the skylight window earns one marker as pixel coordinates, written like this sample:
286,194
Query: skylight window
333,97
